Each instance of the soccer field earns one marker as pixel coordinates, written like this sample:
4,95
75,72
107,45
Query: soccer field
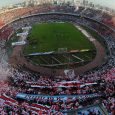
48,37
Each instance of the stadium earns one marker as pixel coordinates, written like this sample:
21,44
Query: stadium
57,58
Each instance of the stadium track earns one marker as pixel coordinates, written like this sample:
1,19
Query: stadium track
18,58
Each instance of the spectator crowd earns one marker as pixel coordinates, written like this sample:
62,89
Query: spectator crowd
99,81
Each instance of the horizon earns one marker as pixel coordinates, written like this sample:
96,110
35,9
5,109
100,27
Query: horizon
100,2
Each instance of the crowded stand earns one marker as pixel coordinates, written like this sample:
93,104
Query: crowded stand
96,14
1,23
55,94
6,33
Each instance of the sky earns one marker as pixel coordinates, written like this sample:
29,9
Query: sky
9,2
109,3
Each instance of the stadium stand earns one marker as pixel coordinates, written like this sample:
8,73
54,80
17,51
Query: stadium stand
91,87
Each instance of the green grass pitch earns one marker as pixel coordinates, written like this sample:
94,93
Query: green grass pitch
47,37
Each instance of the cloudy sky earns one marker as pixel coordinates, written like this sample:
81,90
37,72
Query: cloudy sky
109,3
9,2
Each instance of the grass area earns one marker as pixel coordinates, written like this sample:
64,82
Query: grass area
96,36
48,37
63,58
51,36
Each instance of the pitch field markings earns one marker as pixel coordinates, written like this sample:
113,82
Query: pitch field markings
49,37
78,58
56,60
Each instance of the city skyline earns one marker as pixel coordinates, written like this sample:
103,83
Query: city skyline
107,3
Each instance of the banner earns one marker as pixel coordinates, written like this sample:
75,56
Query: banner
41,53
56,98
34,107
65,84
